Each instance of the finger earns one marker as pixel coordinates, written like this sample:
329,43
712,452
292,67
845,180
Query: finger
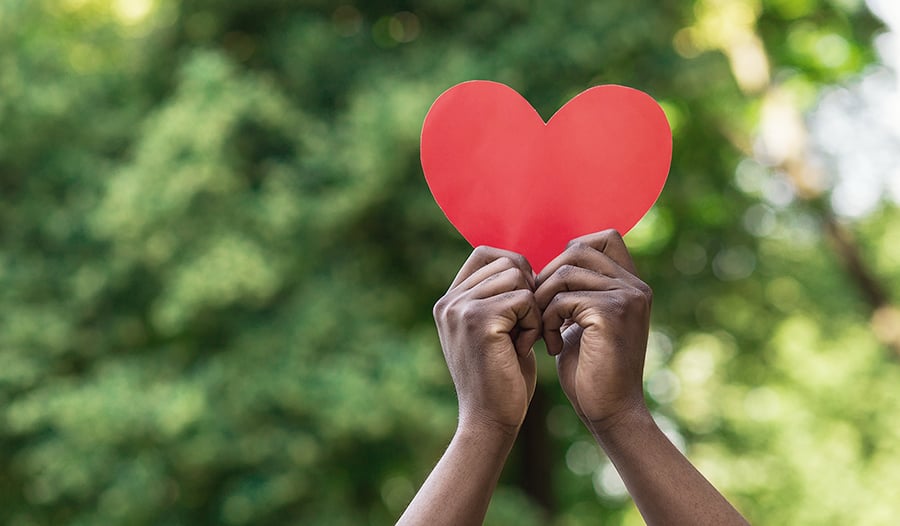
604,252
490,271
584,256
566,366
530,327
522,313
569,278
504,281
567,306
528,364
553,340
610,242
482,256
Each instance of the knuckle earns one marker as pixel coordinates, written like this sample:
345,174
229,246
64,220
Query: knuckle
521,281
635,299
590,240
552,306
506,262
577,245
521,261
482,251
581,240
448,306
610,233
447,312
646,291
566,271
440,307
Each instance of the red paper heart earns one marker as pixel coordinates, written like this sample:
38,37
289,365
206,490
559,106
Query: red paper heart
506,179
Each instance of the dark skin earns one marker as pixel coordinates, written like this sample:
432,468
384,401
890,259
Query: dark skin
593,312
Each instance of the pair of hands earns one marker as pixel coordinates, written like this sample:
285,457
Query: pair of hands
590,308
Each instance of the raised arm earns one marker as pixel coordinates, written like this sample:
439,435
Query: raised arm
487,323
596,315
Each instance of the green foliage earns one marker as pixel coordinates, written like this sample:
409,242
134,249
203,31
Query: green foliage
218,258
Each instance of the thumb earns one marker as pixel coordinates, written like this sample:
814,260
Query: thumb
566,368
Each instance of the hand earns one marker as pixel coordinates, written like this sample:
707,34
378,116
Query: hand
596,317
487,323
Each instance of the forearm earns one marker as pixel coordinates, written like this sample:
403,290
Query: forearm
665,486
459,488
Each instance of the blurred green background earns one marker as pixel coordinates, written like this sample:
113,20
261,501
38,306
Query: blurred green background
218,255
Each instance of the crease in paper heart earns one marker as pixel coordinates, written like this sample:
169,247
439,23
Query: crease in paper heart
505,178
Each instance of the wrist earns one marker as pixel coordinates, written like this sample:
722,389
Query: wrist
635,418
484,429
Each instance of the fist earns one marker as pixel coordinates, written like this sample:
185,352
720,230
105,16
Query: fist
488,322
596,318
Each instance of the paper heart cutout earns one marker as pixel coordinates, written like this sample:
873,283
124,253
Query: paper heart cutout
506,179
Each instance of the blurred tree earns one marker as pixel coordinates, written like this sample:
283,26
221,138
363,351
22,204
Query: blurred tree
218,259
